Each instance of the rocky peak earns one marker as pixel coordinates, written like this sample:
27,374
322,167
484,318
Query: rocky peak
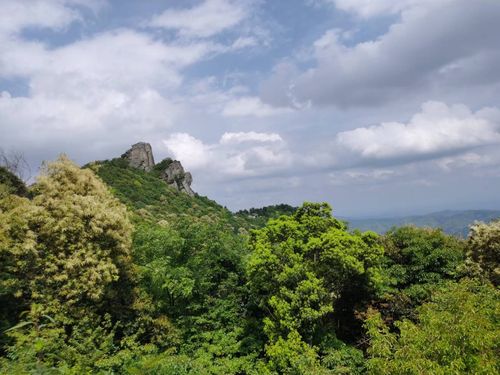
140,156
175,176
171,171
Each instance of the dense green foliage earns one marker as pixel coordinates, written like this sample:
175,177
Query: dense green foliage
152,199
301,267
416,261
258,217
456,333
108,270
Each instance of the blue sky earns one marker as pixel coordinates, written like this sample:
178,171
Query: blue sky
379,107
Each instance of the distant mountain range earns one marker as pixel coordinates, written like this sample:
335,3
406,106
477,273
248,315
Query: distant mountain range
452,222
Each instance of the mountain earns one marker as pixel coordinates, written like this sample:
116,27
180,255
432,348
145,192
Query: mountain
153,191
452,222
161,191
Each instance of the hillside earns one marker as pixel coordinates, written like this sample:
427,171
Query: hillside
153,199
162,191
452,222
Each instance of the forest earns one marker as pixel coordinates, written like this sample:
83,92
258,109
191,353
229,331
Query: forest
105,269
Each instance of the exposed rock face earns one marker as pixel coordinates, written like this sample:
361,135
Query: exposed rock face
171,171
140,156
175,176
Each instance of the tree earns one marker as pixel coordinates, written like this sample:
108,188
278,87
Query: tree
484,249
456,333
66,246
300,268
84,235
416,261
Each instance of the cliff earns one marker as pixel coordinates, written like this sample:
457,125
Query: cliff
140,156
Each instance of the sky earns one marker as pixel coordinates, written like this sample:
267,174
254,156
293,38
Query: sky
378,107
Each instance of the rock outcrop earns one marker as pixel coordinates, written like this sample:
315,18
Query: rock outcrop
175,176
171,171
140,156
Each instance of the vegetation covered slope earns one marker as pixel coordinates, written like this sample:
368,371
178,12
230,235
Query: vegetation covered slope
132,277
150,197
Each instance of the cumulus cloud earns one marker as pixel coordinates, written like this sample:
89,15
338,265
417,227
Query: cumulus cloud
107,88
423,50
114,82
240,154
104,89
193,152
118,57
203,20
438,130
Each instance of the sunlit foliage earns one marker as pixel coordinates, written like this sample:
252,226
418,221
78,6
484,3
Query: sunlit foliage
457,332
484,249
300,267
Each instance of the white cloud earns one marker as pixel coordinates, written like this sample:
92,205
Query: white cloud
204,20
424,50
107,88
112,87
190,150
251,106
116,62
236,154
244,42
79,87
437,130
371,8
52,14
119,58
228,138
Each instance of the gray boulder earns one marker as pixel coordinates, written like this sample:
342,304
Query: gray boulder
140,156
171,171
175,176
